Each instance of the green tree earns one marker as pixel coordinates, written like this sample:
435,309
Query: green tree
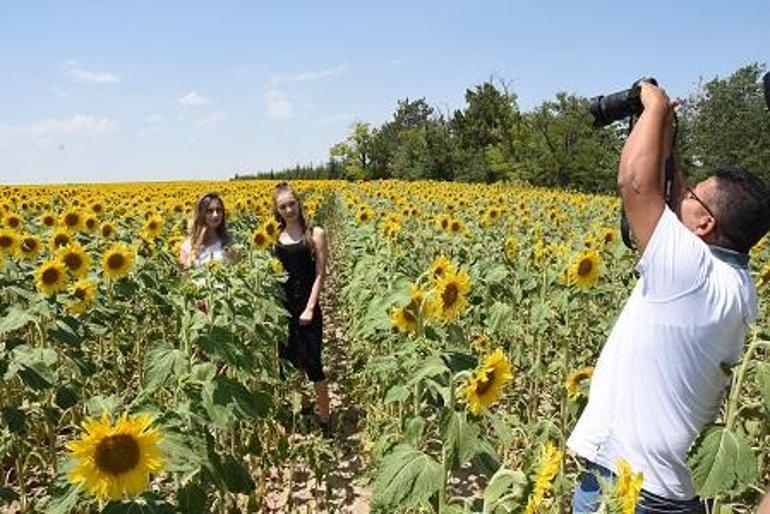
726,122
566,150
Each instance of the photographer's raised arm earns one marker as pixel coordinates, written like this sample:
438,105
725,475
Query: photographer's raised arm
640,174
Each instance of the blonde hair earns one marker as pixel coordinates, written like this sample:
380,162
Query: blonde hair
307,230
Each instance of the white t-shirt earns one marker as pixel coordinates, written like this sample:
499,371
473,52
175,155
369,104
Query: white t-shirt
206,254
658,380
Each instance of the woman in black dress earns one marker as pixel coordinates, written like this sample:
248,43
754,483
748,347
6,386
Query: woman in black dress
302,250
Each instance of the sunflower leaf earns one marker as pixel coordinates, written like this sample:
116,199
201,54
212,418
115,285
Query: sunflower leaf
722,462
503,487
406,477
163,364
460,437
15,319
763,380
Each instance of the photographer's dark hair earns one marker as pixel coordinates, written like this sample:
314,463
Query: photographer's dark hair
743,203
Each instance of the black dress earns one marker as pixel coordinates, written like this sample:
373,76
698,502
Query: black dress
303,348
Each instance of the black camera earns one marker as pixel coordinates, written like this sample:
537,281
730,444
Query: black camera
610,108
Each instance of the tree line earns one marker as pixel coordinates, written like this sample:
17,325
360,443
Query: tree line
726,121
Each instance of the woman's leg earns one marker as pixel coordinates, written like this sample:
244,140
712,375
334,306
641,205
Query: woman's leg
322,400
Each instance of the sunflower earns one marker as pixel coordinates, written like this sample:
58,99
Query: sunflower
13,221
51,276
449,295
628,487
406,318
29,247
584,272
115,461
573,382
117,260
271,228
550,461
48,219
260,239
481,344
75,258
456,226
152,228
511,248
72,219
441,266
485,386
276,266
443,220
61,238
90,224
83,295
107,230
9,241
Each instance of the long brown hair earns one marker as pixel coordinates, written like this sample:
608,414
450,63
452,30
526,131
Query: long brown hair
198,222
307,230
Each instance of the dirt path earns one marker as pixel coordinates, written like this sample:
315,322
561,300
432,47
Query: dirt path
294,487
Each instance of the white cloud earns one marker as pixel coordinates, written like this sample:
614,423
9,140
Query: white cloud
278,104
194,99
78,74
154,119
309,76
78,124
212,121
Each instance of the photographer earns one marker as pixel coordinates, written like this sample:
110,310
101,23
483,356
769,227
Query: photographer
660,377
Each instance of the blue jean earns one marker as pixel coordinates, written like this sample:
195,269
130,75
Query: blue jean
588,495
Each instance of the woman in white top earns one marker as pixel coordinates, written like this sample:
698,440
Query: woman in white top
207,236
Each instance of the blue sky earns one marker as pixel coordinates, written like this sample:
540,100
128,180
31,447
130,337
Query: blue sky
149,90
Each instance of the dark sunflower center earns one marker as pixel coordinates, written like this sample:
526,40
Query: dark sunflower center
608,237
107,231
408,316
29,245
259,239
364,216
80,293
90,223
6,241
444,223
73,261
50,276
455,227
117,454
585,267
116,261
483,385
71,220
61,240
48,221
449,295
153,225
270,229
14,222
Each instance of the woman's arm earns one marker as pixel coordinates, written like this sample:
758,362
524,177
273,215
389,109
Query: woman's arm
321,252
185,254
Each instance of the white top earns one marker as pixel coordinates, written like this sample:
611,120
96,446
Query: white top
206,254
658,380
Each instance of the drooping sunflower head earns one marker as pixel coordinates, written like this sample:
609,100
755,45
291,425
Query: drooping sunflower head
572,384
114,461
449,296
628,487
485,386
9,241
511,248
404,319
83,294
118,260
75,258
29,247
584,271
481,344
51,276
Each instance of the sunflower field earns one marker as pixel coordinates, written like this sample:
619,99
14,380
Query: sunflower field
469,316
